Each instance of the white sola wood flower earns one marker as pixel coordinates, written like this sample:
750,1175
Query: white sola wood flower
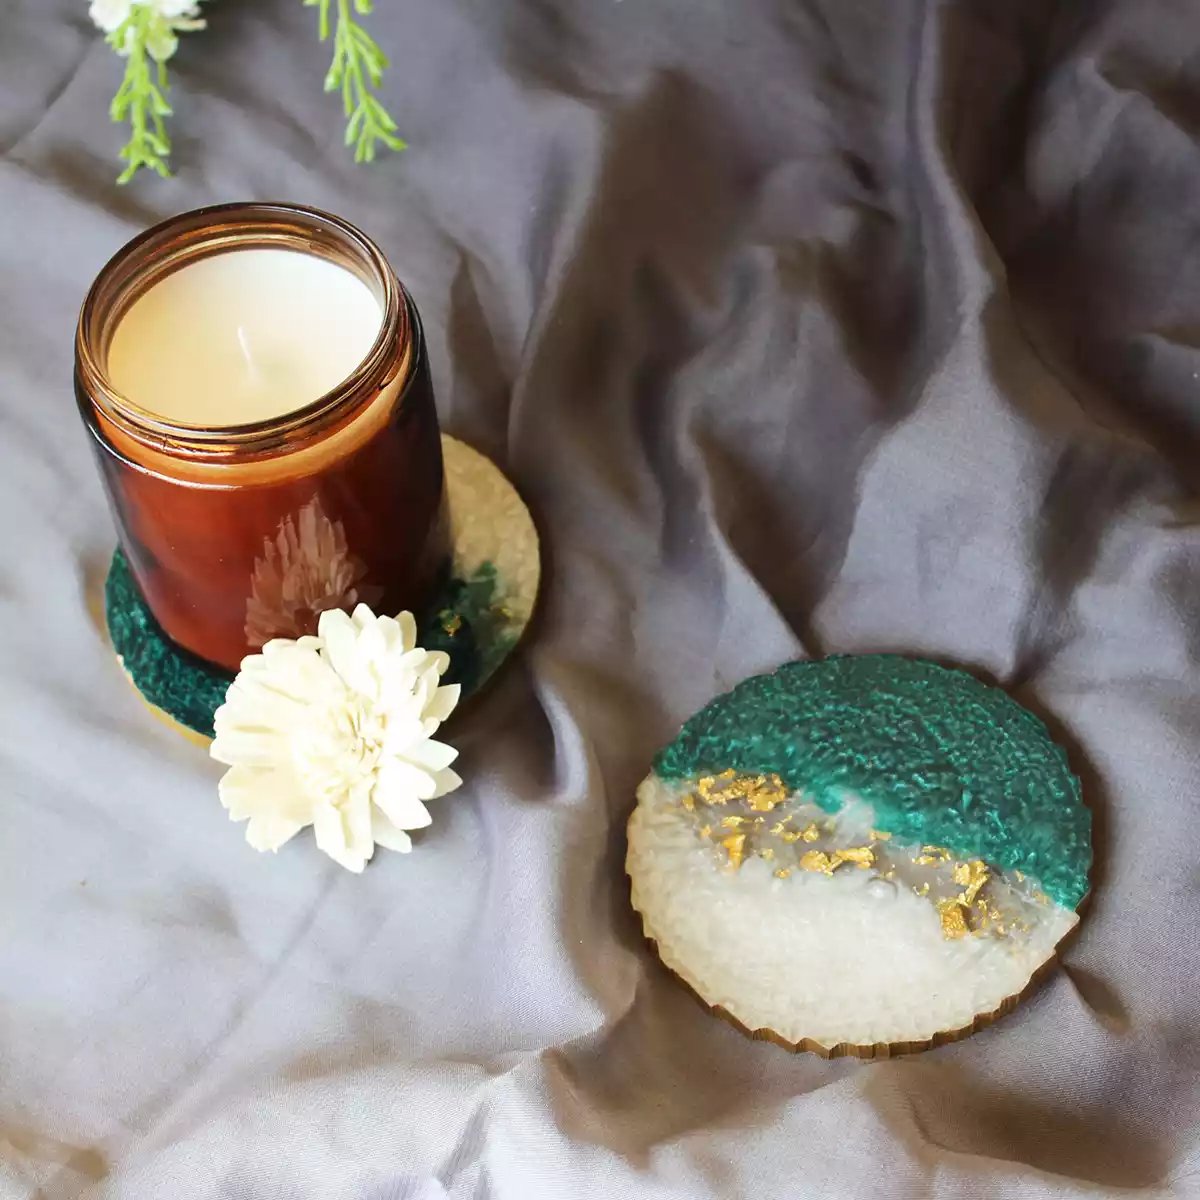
336,731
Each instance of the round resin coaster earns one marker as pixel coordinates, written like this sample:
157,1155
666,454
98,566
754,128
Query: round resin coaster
478,619
863,855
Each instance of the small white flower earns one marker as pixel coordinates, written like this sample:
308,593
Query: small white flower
161,42
173,10
336,731
169,18
110,14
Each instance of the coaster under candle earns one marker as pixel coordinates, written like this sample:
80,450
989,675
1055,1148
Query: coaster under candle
478,618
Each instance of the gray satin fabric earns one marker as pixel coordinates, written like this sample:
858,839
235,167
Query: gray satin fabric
804,327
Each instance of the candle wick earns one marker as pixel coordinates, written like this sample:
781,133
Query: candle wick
244,342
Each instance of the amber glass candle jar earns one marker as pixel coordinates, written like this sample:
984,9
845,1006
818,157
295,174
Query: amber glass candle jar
257,389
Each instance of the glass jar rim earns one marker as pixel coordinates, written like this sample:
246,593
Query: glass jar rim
199,233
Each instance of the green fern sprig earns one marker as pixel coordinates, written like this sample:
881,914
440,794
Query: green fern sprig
141,98
357,69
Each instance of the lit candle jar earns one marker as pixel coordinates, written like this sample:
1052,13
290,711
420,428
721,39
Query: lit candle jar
256,384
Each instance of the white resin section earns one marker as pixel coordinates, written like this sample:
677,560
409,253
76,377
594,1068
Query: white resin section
847,958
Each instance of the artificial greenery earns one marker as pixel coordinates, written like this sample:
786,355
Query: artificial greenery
146,34
358,66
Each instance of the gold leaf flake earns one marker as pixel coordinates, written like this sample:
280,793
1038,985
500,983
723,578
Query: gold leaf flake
706,831
877,835
932,856
711,787
760,792
923,890
971,875
817,860
783,872
954,919
861,856
766,793
688,801
768,854
811,833
735,844
732,822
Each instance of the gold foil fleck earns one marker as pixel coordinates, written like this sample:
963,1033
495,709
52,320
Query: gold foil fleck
761,792
954,919
1019,876
765,793
923,890
735,844
1041,897
811,833
452,626
932,856
732,822
817,860
706,831
973,889
783,872
877,835
861,856
972,876
768,853
711,787
688,801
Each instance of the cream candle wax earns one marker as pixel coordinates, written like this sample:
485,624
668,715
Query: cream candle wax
242,337
255,381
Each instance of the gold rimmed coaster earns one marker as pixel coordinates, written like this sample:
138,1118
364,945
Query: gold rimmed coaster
494,580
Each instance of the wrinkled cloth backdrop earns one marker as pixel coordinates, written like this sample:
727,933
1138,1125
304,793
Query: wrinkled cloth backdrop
804,327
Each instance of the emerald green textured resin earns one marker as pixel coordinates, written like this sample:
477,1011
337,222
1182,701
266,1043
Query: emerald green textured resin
942,759
191,690
183,686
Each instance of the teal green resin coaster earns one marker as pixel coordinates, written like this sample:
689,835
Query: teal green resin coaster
865,855
940,757
477,619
